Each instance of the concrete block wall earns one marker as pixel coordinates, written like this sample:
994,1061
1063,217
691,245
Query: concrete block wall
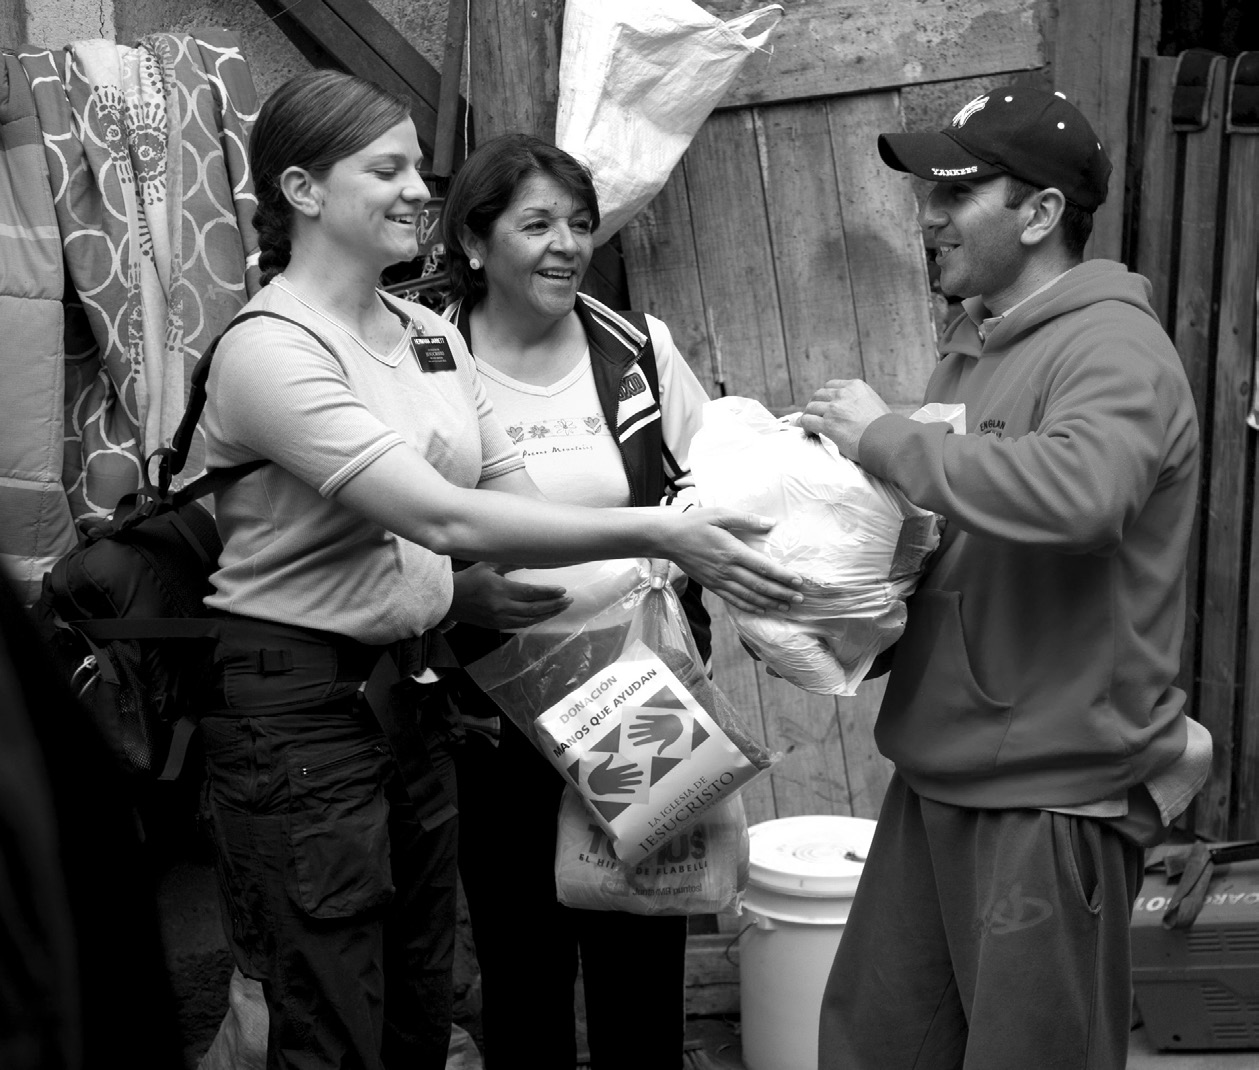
272,57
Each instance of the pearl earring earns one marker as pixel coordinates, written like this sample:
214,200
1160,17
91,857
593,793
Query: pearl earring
474,264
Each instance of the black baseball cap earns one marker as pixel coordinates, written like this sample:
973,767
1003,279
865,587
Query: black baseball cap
1016,130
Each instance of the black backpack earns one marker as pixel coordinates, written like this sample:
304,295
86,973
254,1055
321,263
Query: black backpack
124,613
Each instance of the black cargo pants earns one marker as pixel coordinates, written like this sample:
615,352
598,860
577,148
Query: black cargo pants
338,892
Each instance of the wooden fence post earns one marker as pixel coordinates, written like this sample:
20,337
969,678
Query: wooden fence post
514,58
1239,337
1092,66
1192,321
1196,237
1178,246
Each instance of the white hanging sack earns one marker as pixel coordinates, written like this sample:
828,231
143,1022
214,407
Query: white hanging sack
636,82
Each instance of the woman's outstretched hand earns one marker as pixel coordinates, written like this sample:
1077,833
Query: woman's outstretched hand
707,550
484,596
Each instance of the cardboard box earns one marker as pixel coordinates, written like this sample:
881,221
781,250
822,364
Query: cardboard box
1198,988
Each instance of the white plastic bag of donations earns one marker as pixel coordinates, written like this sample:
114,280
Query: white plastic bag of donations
636,82
702,871
858,541
613,693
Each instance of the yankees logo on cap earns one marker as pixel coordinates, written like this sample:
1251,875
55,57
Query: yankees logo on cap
968,110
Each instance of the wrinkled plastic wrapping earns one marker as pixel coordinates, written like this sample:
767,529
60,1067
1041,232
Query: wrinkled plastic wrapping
613,693
636,81
702,871
860,544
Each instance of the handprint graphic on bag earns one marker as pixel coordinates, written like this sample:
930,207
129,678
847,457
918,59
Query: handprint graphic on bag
604,780
648,729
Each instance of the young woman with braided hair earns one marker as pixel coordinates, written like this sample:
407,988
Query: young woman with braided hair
332,816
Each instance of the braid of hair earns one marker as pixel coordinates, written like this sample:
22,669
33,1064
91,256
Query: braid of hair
271,222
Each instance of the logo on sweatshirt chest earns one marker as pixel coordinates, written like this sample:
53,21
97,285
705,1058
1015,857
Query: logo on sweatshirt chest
992,426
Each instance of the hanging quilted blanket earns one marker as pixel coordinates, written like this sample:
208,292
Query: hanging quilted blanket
146,166
36,527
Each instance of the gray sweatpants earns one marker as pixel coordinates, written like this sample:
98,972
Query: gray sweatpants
984,940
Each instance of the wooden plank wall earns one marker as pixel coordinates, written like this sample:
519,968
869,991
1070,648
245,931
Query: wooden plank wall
825,48
1234,441
1196,233
1092,65
513,65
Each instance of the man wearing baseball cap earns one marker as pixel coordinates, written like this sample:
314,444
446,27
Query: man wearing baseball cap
1038,738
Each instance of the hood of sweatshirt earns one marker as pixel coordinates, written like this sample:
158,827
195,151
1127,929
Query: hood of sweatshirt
1086,284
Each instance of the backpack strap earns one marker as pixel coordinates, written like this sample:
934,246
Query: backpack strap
647,355
656,479
697,614
647,361
214,480
106,629
172,458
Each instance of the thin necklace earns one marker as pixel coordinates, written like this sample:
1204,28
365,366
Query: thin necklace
288,289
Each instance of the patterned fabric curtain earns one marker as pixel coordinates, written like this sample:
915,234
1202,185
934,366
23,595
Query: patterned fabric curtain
145,151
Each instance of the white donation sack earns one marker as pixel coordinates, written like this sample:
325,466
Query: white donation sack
702,871
859,543
637,80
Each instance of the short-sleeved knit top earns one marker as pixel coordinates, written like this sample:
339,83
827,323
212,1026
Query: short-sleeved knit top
291,552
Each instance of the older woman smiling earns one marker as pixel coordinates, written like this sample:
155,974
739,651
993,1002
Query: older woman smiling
603,407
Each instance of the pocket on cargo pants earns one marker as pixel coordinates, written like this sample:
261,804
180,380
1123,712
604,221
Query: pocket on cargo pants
339,827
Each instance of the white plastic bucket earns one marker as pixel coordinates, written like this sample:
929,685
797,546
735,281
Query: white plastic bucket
803,873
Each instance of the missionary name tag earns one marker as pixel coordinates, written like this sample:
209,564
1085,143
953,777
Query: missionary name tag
433,353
